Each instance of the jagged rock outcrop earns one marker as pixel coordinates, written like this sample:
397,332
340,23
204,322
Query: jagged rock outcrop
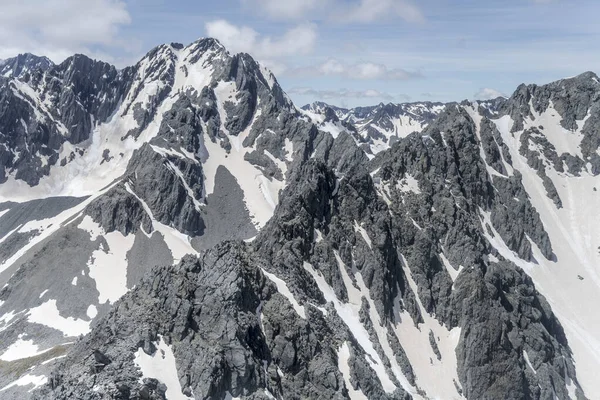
575,100
229,329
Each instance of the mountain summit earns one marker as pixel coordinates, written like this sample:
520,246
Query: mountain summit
178,229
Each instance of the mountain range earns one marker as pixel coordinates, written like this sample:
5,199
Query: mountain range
179,229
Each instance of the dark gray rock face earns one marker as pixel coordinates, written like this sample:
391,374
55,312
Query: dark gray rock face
495,304
158,68
44,106
145,254
270,346
533,136
265,345
494,149
180,127
434,346
31,138
247,342
167,173
225,214
83,92
155,179
332,205
454,173
119,210
534,331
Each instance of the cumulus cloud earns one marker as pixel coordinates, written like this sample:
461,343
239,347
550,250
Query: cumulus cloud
296,41
59,28
343,11
359,71
375,10
274,52
487,94
341,94
288,9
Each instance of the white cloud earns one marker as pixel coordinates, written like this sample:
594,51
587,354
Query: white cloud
287,9
376,10
487,94
299,40
59,28
362,11
359,71
276,67
341,94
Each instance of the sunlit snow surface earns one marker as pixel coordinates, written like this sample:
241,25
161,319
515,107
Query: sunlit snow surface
26,380
283,289
108,266
161,366
344,367
20,349
47,314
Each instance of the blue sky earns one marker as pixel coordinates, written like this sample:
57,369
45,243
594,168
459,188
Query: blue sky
346,52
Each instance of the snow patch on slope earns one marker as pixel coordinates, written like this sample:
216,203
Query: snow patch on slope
344,367
436,377
451,271
359,229
285,291
20,349
261,195
108,265
89,173
409,184
47,314
26,380
564,140
161,366
49,226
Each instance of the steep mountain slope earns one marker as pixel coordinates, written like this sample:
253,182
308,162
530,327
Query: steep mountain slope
186,157
455,261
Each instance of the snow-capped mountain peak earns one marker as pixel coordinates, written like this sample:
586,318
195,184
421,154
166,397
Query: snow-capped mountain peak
23,64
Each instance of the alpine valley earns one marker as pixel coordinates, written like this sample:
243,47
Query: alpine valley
179,229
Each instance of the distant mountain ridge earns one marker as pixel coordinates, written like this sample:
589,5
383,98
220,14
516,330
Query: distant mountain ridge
376,128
